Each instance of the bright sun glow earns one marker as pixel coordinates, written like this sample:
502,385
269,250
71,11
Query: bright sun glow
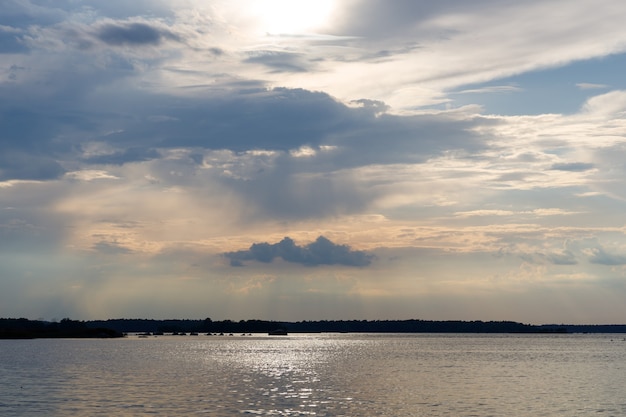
291,16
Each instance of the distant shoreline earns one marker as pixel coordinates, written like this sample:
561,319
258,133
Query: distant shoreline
350,326
21,328
66,328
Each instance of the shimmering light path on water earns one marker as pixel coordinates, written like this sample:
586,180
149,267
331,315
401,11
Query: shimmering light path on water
316,375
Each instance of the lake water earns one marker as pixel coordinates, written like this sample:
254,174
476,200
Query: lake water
316,375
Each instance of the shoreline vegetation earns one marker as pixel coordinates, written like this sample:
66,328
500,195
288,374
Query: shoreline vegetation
21,328
35,329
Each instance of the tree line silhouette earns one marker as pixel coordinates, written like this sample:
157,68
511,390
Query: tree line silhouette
21,328
344,326
29,329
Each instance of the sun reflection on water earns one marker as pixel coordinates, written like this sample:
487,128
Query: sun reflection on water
320,375
282,376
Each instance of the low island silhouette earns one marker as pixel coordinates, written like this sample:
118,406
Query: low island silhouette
22,328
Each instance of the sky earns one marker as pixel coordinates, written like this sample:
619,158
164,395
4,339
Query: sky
313,160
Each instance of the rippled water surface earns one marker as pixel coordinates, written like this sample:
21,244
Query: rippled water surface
316,375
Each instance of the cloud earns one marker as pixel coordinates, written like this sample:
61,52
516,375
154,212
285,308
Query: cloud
375,19
600,256
607,105
279,61
573,166
591,86
565,257
320,252
133,33
241,120
503,44
492,89
10,40
111,248
155,139
125,156
90,175
15,164
485,213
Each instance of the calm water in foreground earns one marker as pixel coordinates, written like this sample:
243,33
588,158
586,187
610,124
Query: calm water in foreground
316,375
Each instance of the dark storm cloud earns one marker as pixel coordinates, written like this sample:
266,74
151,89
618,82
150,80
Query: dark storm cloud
320,252
253,119
123,125
285,119
50,118
137,33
